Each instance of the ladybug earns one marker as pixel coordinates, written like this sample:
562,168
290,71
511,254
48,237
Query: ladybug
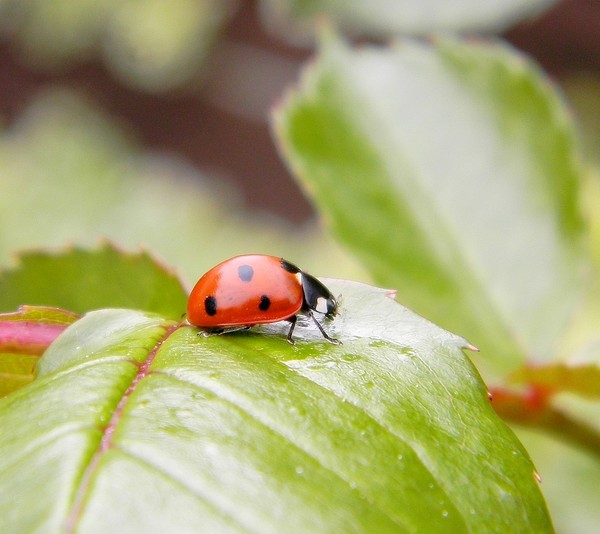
256,289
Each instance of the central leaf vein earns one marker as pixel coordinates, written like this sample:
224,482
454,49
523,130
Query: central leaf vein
105,442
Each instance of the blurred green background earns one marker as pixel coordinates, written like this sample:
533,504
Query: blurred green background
146,122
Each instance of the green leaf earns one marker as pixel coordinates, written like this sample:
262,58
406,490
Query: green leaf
24,336
81,280
449,169
140,424
381,18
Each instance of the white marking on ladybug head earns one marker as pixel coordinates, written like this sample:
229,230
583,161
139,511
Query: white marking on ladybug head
299,277
321,306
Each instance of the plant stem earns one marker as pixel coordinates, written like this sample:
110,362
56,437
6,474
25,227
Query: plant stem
533,409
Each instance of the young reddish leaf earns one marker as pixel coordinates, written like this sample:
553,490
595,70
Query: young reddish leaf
24,336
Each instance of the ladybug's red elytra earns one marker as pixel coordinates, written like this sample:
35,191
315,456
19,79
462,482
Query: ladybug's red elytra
256,289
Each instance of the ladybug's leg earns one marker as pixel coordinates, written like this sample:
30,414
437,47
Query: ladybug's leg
325,334
290,339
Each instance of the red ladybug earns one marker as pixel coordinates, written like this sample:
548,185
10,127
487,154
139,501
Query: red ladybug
257,289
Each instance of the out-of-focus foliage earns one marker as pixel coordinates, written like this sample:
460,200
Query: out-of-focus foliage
69,174
149,44
294,20
583,92
157,46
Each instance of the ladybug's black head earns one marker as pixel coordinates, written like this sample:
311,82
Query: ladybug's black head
317,297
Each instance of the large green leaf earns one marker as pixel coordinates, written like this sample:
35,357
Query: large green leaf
138,424
450,170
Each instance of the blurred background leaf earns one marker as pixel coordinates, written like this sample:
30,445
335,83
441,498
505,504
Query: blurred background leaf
294,19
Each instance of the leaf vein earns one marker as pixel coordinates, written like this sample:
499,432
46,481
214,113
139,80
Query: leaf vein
218,392
203,497
106,439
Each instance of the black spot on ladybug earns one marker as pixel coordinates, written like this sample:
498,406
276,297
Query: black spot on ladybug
245,272
210,305
289,267
265,302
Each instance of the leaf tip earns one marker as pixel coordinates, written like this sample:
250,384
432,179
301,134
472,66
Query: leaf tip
391,293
